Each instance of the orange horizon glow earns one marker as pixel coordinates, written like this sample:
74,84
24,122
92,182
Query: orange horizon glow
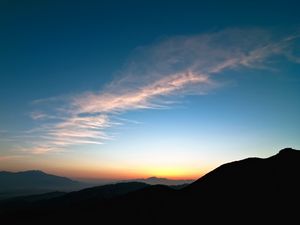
128,175
85,169
120,175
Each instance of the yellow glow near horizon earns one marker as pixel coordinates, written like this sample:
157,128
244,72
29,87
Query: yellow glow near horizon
173,172
94,168
124,173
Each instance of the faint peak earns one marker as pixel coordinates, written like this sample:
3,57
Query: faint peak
155,178
33,171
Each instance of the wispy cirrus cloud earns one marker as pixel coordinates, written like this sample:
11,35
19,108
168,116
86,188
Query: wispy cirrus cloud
57,134
38,115
153,75
141,98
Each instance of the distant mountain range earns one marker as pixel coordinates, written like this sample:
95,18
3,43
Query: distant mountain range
163,181
34,182
252,190
33,178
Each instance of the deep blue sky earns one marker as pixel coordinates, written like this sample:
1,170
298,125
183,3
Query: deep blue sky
62,49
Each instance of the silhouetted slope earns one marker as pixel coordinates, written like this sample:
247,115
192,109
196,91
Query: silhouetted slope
252,190
258,175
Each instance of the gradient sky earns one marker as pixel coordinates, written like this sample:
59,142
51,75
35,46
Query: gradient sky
125,89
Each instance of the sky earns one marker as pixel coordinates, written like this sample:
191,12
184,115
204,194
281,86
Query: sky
127,89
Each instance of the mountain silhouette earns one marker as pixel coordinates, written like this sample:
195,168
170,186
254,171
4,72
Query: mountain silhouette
33,182
164,181
271,174
104,192
252,190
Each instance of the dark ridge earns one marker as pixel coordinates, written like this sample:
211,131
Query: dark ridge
288,152
102,192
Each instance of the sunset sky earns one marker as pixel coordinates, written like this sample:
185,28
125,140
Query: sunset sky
127,89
